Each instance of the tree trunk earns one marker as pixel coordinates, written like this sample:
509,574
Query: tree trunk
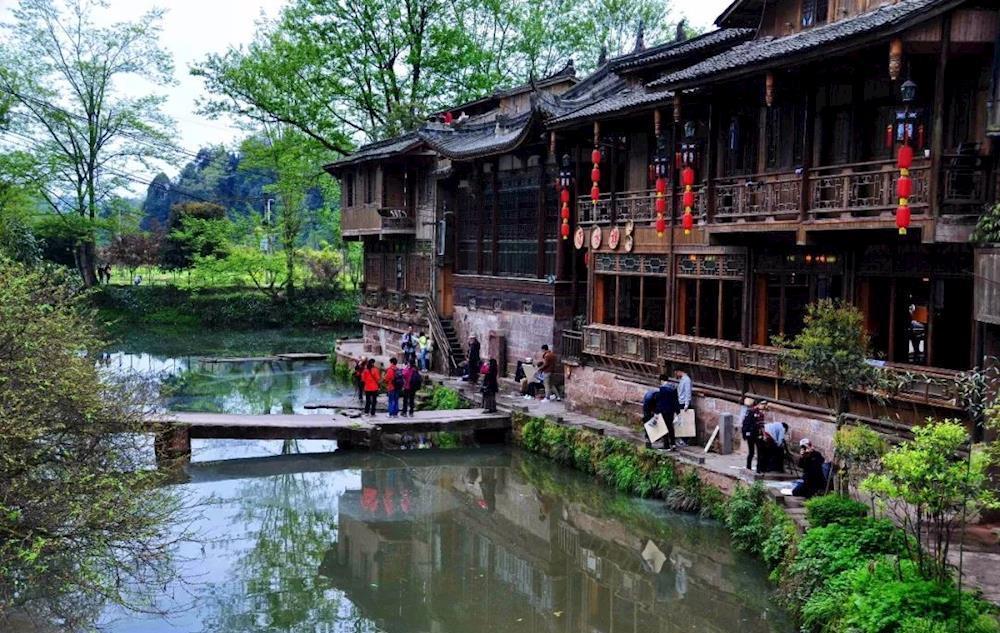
85,263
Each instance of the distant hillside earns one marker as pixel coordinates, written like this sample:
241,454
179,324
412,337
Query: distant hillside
214,176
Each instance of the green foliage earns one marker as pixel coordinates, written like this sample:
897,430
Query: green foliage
888,595
444,399
79,508
859,454
824,552
445,439
833,508
987,229
224,307
931,485
832,351
758,524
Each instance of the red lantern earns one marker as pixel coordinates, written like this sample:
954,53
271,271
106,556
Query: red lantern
688,199
661,205
905,158
888,137
595,175
595,193
688,222
904,186
687,177
920,136
661,226
903,218
595,156
564,214
565,231
661,185
564,196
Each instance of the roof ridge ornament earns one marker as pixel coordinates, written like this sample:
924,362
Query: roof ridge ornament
681,33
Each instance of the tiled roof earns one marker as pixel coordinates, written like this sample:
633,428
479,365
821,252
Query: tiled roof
763,51
673,50
625,99
477,140
378,150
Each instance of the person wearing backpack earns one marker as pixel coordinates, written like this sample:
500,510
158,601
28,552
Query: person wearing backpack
753,419
412,381
393,386
490,387
370,381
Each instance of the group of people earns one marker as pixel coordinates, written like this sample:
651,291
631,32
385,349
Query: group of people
418,349
401,383
489,369
768,441
668,400
542,378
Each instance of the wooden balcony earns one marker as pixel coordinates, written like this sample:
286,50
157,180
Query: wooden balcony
865,190
758,198
965,181
372,220
723,363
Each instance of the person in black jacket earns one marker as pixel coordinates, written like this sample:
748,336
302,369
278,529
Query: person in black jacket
753,418
811,462
490,387
668,405
473,360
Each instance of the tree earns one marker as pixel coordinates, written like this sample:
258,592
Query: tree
341,72
933,488
831,353
61,67
132,250
83,520
194,228
20,180
292,157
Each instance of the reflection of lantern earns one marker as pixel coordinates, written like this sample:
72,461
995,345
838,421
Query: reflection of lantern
565,179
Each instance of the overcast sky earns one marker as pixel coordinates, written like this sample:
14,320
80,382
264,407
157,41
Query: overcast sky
194,28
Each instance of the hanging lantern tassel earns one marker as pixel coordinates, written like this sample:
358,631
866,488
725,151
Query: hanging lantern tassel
904,187
687,179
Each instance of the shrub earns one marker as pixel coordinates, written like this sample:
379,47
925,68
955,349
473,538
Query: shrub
824,552
834,508
444,399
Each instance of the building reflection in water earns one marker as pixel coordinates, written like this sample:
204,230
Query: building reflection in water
491,548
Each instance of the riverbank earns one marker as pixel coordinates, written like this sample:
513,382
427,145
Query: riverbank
763,520
224,307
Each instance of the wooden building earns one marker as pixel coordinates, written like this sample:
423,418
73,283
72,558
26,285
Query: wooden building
774,143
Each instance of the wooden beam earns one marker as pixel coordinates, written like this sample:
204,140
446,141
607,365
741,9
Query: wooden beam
495,264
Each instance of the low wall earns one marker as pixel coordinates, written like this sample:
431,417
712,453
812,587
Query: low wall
608,395
525,333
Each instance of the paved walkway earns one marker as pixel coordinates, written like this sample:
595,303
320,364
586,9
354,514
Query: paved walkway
981,563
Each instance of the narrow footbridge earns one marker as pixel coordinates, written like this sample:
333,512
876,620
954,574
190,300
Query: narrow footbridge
174,431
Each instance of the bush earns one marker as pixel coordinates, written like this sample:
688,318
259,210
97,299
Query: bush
444,399
890,595
824,552
759,525
834,508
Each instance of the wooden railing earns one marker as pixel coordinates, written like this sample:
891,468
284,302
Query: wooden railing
629,347
441,342
964,184
865,190
572,345
368,220
758,198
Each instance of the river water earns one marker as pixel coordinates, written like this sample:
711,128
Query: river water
296,536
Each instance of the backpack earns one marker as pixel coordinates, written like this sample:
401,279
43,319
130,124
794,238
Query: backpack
397,380
416,380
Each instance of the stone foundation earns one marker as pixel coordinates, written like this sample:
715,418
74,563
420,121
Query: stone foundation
382,331
607,395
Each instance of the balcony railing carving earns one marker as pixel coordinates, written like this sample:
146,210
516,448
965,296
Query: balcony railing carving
965,184
864,190
758,198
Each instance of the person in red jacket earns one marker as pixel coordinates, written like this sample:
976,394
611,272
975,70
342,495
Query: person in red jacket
393,386
370,378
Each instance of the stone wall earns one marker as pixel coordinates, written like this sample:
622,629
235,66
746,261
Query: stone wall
525,333
605,394
382,330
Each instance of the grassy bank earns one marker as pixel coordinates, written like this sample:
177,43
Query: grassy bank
224,307
849,573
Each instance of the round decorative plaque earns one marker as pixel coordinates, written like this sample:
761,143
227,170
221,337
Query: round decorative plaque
595,238
629,243
579,238
614,236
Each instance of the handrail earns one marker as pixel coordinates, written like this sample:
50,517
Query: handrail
440,338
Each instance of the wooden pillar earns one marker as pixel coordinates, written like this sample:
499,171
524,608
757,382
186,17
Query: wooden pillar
543,182
805,201
495,184
477,183
937,123
712,156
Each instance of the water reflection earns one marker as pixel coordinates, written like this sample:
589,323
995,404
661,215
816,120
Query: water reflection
451,541
253,386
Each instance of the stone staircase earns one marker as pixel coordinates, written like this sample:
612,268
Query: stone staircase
454,347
